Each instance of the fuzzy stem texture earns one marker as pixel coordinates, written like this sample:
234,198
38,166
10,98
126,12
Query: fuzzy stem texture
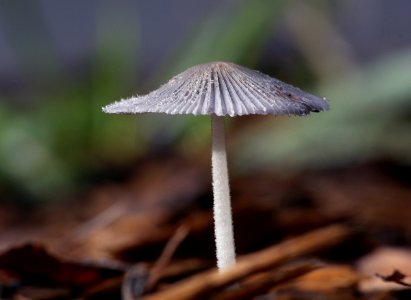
223,223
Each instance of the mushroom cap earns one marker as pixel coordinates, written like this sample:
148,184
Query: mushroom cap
222,88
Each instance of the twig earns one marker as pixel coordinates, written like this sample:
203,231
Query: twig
210,281
138,280
165,257
268,280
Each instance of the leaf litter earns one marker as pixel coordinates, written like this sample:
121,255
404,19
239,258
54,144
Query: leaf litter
151,237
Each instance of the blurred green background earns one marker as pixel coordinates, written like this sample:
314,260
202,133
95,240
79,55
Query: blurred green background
61,61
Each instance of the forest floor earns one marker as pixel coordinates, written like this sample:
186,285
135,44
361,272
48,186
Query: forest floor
331,234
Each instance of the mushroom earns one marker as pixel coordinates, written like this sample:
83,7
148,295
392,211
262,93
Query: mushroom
220,89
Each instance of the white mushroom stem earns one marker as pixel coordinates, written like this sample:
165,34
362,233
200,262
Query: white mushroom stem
223,223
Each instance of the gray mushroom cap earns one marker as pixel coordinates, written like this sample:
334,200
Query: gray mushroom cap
222,88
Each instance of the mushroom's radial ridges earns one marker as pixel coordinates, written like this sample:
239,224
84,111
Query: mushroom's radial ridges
222,89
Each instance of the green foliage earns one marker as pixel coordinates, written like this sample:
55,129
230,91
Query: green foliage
367,120
48,149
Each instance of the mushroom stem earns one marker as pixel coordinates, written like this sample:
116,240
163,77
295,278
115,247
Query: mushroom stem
223,223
